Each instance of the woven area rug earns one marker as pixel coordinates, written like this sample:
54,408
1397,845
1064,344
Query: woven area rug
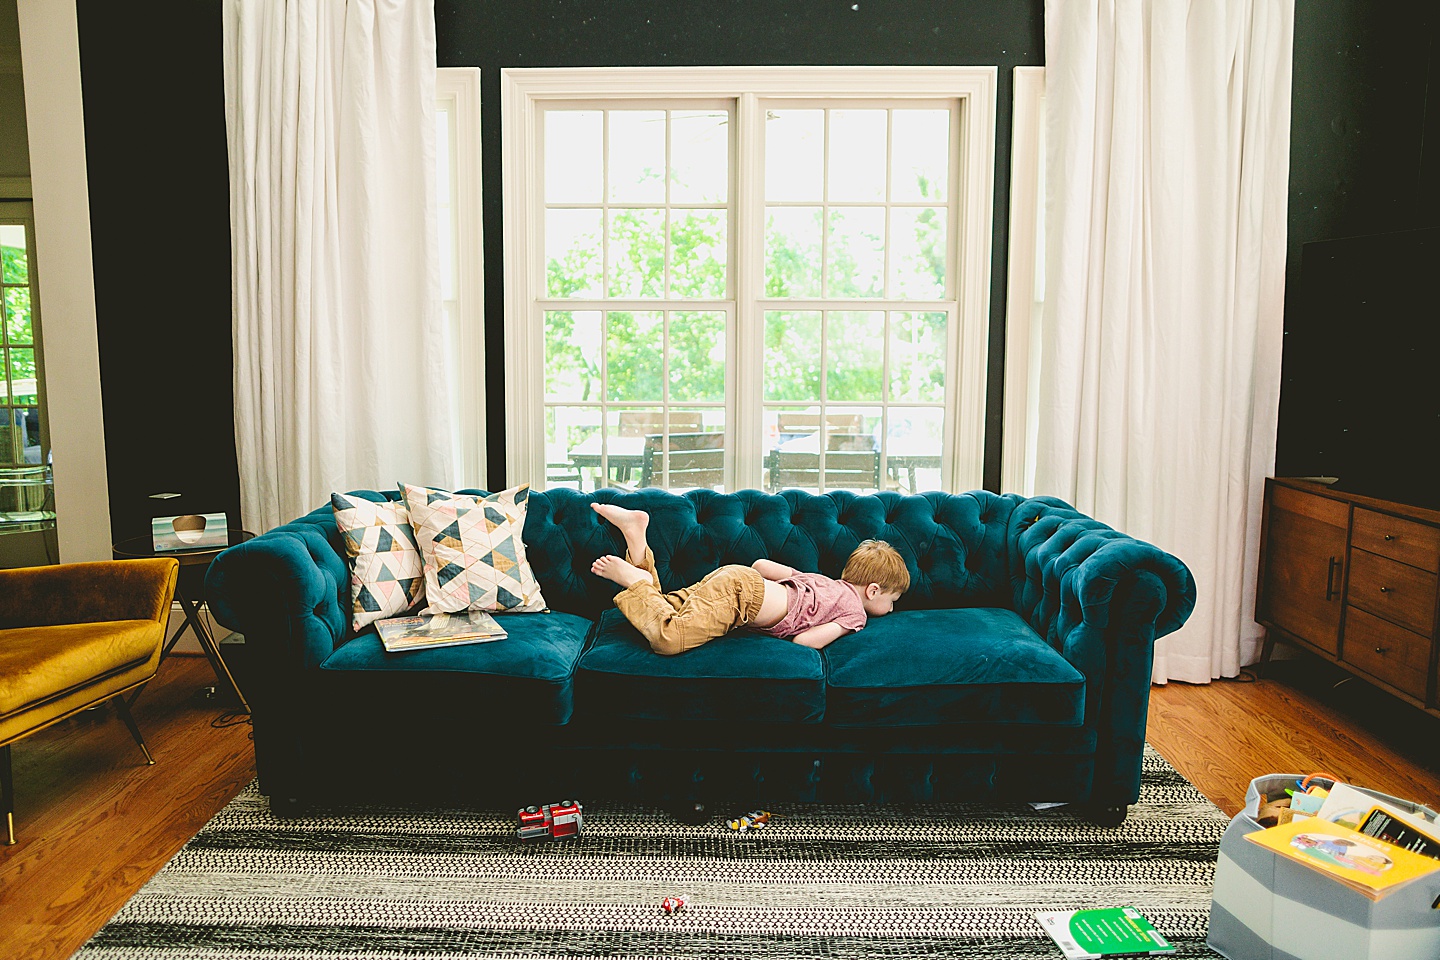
836,882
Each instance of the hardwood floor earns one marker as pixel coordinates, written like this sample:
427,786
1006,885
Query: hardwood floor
94,823
1305,716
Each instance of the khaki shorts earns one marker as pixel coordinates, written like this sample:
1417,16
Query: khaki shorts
726,599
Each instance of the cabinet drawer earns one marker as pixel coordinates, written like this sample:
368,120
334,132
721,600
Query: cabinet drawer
1336,513
1386,652
1396,591
1405,540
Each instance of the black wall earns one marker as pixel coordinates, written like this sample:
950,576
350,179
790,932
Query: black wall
1363,113
154,100
1358,399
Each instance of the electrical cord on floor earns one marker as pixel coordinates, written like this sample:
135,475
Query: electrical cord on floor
231,718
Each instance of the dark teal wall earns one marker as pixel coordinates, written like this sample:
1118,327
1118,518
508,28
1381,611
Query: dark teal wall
1364,114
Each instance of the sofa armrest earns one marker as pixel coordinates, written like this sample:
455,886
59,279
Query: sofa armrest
92,592
288,588
1101,598
1066,570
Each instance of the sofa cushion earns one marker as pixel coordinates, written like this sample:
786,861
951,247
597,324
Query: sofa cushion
740,676
922,667
527,676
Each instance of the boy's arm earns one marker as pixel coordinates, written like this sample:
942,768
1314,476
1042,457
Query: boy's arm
771,570
820,636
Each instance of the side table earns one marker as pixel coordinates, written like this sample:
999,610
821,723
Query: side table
143,547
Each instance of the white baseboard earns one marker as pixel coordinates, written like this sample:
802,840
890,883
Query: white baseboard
189,643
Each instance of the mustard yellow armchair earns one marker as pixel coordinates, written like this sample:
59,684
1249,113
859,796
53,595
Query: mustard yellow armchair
72,636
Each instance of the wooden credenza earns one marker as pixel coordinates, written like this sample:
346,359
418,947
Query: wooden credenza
1353,579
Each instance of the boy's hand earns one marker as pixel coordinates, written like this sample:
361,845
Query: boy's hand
820,636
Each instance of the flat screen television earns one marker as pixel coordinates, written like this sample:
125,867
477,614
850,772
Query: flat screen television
1360,394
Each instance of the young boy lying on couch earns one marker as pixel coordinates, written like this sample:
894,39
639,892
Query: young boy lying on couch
811,609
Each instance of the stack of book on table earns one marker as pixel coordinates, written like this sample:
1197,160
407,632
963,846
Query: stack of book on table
1370,846
427,631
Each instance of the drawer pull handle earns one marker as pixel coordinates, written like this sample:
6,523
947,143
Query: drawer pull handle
1389,537
1384,589
1381,649
1330,579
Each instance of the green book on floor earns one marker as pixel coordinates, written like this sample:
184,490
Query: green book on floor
1109,932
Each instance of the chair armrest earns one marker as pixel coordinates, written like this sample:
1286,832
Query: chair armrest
92,592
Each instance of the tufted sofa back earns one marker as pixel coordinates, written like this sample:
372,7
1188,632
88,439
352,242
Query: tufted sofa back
963,550
955,545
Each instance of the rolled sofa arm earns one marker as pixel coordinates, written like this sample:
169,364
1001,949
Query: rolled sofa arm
1100,598
289,587
91,592
1067,569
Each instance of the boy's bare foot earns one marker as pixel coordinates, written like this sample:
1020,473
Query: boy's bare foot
631,524
619,571
626,521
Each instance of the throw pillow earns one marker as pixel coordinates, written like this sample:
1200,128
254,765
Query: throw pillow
474,557
387,573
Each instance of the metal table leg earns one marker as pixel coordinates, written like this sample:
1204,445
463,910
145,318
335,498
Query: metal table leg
208,645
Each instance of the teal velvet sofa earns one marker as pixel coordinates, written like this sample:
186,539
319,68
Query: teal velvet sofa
1016,668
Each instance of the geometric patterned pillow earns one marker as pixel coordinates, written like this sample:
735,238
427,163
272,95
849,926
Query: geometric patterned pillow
474,556
387,573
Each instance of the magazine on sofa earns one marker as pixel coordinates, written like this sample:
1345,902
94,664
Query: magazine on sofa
438,630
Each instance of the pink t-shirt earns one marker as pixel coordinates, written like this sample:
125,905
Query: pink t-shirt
815,599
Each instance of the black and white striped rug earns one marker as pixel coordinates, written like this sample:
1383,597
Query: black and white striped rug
835,882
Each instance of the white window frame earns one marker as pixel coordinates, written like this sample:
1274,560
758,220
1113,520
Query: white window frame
1025,291
457,90
524,90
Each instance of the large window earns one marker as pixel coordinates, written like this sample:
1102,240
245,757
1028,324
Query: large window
20,439
740,283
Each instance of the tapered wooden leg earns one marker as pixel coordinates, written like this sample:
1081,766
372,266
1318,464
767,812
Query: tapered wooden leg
1265,652
123,708
7,794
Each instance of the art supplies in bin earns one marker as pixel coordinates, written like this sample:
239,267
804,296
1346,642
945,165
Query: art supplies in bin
1365,864
1327,885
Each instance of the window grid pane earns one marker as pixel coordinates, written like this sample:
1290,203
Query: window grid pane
861,420
627,218
884,177
627,391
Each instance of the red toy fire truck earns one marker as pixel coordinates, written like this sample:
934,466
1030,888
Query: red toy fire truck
554,820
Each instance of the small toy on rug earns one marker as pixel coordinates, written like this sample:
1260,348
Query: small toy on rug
553,820
673,905
754,820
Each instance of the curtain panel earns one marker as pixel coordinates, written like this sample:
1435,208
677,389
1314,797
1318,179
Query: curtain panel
1167,158
342,372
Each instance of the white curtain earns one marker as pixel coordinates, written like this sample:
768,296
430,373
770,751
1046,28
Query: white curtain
1167,160
341,373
